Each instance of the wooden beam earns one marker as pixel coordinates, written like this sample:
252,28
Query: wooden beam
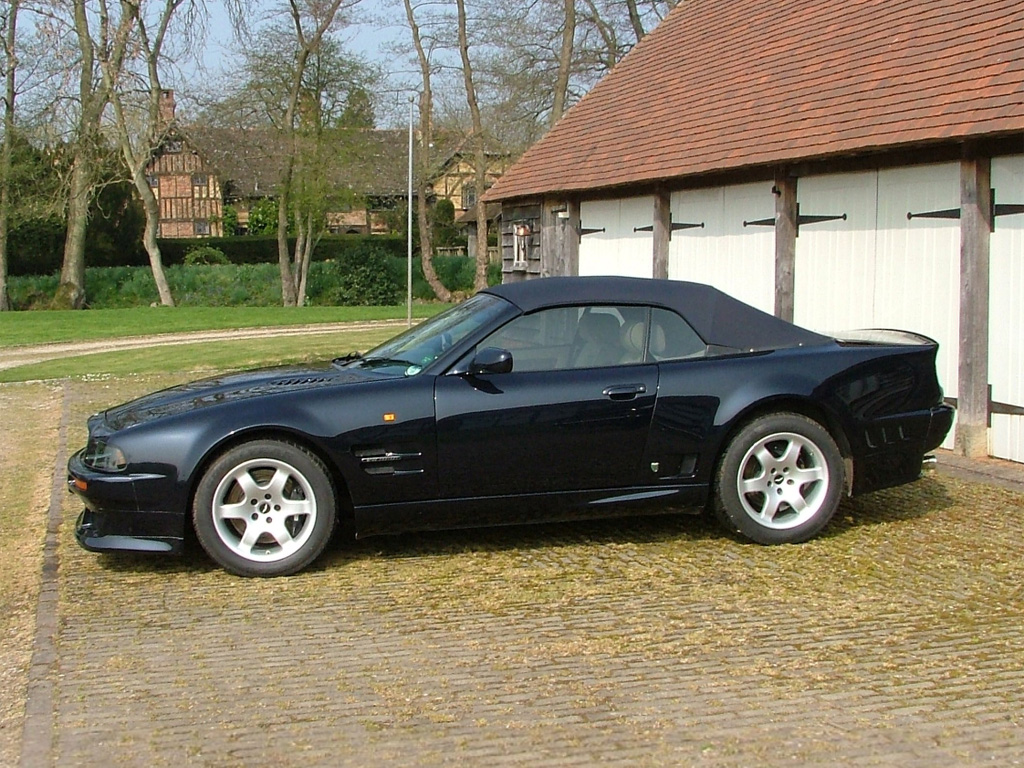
785,243
975,242
552,256
662,232
571,241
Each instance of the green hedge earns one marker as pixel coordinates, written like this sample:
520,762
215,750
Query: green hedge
370,277
262,249
38,248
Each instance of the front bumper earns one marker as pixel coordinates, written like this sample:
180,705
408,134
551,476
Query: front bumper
143,532
112,520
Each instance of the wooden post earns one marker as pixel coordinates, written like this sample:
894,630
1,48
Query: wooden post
552,235
571,241
785,243
975,242
662,233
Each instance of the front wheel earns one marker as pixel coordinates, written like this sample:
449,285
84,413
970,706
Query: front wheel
780,480
265,508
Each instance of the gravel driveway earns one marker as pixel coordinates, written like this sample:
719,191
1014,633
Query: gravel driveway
894,639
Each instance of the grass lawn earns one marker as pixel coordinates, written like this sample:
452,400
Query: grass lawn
22,328
201,358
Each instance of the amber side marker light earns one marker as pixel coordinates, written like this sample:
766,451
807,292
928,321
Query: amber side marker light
389,417
80,484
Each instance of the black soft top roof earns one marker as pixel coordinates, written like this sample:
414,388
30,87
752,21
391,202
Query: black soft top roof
720,319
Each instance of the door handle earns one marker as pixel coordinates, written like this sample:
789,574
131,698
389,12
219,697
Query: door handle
624,391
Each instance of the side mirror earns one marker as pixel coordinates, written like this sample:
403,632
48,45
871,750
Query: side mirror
491,360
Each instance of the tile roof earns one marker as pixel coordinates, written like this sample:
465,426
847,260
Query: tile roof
252,160
723,85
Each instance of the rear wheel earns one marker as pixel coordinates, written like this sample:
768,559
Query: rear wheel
265,508
780,480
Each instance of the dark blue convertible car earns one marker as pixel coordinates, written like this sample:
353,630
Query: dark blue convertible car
546,399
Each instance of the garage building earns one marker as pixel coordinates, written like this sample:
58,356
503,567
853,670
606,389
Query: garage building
841,164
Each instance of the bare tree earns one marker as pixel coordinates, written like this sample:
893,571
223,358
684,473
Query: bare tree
480,149
320,16
113,39
10,21
139,139
426,110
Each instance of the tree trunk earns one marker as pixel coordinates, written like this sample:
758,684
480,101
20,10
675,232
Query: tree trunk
71,293
288,297
634,20
5,152
426,139
298,260
564,61
306,258
149,242
482,256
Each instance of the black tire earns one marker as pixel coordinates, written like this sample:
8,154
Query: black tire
780,480
265,508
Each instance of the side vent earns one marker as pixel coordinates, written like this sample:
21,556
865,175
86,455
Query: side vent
381,461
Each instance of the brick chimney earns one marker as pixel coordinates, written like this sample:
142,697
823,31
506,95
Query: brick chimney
167,106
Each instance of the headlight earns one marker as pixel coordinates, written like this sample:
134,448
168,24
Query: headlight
103,457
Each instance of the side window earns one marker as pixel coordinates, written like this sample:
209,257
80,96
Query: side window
538,342
573,337
672,338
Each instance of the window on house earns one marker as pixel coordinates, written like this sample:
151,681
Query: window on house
152,180
199,179
172,147
468,195
202,227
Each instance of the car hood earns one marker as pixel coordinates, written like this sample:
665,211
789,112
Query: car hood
220,390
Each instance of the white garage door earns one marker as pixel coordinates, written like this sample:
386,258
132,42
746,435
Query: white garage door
917,273
739,260
618,250
879,269
835,260
1006,321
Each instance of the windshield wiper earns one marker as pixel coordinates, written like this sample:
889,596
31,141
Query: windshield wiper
347,358
372,362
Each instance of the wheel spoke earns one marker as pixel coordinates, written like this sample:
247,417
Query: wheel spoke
277,484
250,488
806,475
238,511
791,454
764,456
753,485
280,534
297,507
770,507
798,503
248,540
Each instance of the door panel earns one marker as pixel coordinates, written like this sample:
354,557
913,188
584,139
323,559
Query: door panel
737,259
544,431
1006,323
835,260
619,249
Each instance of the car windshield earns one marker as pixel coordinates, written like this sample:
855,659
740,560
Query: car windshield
414,350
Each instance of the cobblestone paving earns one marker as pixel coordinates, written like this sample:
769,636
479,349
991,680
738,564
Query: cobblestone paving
894,639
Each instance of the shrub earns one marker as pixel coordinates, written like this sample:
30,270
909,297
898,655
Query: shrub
205,254
364,279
